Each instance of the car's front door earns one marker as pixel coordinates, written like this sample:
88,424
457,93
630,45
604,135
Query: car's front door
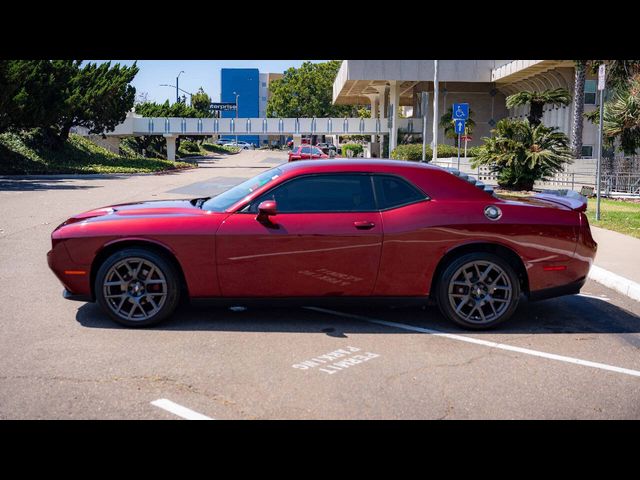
325,240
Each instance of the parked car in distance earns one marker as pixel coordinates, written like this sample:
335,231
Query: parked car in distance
316,232
325,147
306,152
242,145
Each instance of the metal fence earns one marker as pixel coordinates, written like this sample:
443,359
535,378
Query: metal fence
572,180
621,183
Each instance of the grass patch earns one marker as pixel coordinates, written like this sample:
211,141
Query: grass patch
617,215
27,153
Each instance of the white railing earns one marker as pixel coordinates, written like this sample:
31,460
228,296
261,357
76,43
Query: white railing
572,179
261,126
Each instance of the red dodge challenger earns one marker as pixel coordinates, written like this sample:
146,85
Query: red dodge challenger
310,231
305,152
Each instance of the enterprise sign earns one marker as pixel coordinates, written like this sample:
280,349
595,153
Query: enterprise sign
225,107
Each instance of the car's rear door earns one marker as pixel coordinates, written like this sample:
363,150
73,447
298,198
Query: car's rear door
325,240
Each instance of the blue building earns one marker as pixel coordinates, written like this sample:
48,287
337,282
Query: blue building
244,82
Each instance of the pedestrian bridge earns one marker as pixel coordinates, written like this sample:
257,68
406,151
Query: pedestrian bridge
137,126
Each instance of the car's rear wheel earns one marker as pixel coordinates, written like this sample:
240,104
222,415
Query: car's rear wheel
137,287
478,290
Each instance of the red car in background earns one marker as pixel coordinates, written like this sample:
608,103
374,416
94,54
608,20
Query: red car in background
306,152
317,231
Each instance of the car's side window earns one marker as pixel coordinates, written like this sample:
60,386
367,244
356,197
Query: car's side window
394,192
322,193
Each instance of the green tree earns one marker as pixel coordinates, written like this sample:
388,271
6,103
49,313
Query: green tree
99,97
33,93
620,107
522,153
449,126
622,116
201,102
307,92
537,101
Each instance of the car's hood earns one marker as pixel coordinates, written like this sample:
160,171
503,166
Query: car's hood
140,209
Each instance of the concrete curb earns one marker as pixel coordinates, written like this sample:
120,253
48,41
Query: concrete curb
620,284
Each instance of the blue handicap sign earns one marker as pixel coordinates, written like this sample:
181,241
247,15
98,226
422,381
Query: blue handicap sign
460,111
459,124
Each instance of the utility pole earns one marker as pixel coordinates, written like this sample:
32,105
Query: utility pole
601,86
435,110
177,80
236,124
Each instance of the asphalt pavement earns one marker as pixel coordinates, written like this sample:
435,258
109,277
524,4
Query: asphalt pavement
575,357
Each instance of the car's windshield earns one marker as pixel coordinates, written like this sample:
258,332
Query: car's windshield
221,202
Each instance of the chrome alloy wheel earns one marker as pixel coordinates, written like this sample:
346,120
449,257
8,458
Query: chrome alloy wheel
135,289
480,292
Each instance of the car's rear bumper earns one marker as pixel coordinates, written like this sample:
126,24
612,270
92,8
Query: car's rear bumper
568,289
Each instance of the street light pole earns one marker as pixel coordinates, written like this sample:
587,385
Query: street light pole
601,87
435,110
236,125
177,80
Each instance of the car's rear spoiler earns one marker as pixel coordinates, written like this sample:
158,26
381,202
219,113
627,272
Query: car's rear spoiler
568,198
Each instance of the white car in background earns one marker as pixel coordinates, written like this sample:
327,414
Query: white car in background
242,145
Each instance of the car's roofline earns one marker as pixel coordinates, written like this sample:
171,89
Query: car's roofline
362,164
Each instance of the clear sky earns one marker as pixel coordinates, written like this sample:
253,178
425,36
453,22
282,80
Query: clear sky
197,73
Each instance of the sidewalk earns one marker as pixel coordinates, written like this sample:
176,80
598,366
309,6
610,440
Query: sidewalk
617,263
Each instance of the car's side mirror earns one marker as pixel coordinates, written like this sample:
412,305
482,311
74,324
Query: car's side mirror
267,208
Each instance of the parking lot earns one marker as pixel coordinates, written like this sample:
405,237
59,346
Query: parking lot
575,357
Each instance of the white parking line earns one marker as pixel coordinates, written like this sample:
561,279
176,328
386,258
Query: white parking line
486,343
179,410
604,299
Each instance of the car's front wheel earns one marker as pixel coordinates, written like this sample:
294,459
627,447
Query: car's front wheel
137,287
478,290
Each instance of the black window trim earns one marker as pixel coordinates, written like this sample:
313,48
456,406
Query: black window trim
244,208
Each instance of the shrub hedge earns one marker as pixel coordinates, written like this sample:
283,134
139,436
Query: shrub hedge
413,152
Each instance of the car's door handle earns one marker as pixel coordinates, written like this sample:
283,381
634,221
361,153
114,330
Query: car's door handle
364,225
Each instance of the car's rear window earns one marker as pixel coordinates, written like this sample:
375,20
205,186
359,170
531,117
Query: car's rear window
393,192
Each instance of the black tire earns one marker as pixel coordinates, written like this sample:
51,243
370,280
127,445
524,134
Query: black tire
474,302
155,300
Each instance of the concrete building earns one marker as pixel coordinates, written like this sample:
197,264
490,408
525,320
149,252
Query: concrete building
388,85
243,83
253,90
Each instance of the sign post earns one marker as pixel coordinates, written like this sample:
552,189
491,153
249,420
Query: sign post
601,84
459,114
460,125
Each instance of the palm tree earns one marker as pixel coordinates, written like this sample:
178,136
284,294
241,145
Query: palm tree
537,100
622,116
449,126
522,153
578,107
